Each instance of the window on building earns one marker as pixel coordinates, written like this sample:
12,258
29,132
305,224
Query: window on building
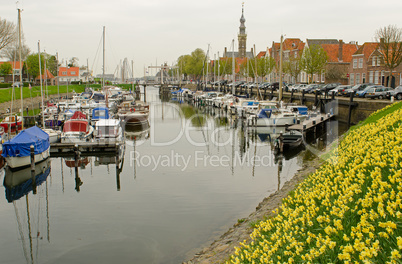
361,63
73,73
354,63
374,61
323,77
378,61
64,73
352,79
357,78
377,77
295,54
371,77
363,78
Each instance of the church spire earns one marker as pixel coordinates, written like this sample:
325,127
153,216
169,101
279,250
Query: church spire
242,36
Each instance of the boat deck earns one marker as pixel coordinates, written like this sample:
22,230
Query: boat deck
311,122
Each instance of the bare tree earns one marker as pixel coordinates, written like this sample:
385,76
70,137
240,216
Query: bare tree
390,39
7,33
12,54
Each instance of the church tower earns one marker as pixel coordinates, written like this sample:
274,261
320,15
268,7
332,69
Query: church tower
242,36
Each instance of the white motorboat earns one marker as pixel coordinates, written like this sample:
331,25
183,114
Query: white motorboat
108,130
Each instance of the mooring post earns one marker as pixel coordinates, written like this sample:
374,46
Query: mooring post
302,98
32,149
316,97
117,161
145,93
291,96
352,94
272,93
281,142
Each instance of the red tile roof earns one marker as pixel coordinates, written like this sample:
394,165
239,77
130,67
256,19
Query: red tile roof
367,49
47,76
332,51
14,64
261,54
71,71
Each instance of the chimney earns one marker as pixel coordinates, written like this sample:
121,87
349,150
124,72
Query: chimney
226,50
252,52
340,52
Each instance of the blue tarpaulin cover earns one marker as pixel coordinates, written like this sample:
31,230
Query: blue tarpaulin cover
20,145
265,113
303,110
100,113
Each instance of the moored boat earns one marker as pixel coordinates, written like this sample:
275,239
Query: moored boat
12,122
77,129
17,151
108,130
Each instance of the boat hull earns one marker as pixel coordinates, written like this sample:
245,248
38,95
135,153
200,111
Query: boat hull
134,118
273,121
23,162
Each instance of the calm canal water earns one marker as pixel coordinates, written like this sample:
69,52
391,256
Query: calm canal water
183,182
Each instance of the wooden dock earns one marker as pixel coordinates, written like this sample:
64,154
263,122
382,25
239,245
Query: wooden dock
311,122
94,148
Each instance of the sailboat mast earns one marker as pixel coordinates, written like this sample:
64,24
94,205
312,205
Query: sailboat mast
233,70
103,70
58,80
20,57
280,71
41,86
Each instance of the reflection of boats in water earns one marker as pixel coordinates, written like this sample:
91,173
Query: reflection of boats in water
19,183
30,209
82,162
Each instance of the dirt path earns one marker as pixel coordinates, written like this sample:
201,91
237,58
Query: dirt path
220,250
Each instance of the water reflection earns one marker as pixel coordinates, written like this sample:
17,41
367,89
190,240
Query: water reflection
29,208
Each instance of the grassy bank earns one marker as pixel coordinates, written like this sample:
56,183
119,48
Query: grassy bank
6,94
349,210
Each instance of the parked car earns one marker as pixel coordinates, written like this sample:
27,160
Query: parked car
17,84
328,87
377,92
396,93
340,89
362,93
356,88
275,85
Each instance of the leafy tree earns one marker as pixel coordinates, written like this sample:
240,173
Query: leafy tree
32,62
197,63
390,39
51,64
314,60
225,66
265,65
293,66
6,68
183,63
7,33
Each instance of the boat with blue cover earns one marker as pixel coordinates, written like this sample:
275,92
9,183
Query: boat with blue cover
17,151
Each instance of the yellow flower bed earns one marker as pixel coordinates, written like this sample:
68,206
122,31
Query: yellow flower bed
348,211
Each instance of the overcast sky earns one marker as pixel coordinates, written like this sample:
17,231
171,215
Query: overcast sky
151,32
